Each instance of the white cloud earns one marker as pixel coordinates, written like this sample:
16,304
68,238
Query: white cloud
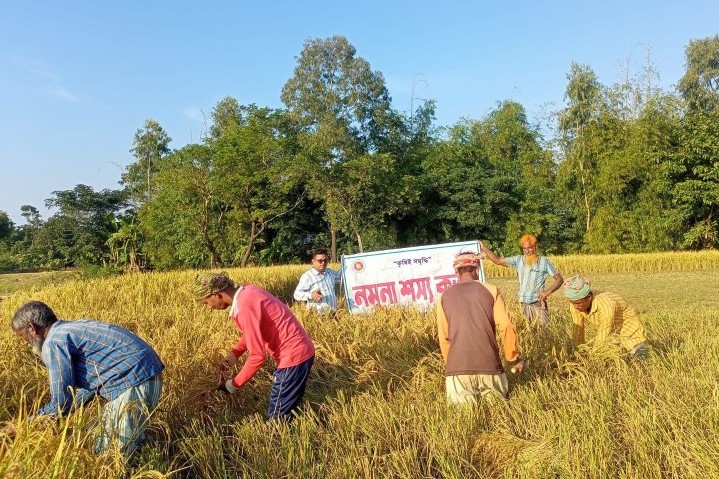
35,67
65,94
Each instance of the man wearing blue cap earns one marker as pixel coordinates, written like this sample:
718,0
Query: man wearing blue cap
609,313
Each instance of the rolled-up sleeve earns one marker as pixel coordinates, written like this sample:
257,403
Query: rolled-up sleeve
506,328
442,329
303,290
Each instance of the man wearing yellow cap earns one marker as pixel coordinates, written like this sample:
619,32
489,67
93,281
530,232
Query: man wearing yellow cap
469,314
533,271
609,313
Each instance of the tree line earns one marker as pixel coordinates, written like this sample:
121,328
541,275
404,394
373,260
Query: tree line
620,168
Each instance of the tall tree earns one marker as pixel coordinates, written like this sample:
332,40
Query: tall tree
343,106
150,145
700,83
31,215
78,232
410,140
577,124
474,197
6,226
697,186
251,170
514,150
186,223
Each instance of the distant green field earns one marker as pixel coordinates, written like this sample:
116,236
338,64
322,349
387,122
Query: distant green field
13,282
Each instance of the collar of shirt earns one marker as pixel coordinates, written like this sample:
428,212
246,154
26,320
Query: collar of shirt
594,307
49,334
233,309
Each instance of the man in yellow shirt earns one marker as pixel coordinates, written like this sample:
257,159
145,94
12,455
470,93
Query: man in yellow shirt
609,313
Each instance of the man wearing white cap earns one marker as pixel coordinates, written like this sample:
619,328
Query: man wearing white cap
469,316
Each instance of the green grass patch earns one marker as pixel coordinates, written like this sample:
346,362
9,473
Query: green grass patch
13,282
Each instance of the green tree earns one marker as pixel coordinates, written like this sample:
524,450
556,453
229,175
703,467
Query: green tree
699,85
578,129
513,149
6,226
410,140
150,146
78,232
185,223
251,172
31,215
697,187
343,107
474,197
125,244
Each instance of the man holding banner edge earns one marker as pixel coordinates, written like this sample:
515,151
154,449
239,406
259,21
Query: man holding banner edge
532,271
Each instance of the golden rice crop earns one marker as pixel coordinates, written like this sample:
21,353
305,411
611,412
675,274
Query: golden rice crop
617,263
375,402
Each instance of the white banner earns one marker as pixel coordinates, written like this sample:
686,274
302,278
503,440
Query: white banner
407,276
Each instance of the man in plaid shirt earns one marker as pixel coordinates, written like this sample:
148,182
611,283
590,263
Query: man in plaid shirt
87,358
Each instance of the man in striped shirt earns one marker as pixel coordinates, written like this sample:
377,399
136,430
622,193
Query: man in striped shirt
609,313
317,286
533,271
87,358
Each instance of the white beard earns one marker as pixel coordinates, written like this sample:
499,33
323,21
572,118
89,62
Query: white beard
37,346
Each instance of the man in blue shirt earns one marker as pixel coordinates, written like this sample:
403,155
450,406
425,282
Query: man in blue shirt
317,286
87,358
533,271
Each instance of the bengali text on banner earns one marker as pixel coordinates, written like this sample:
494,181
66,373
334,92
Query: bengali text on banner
408,276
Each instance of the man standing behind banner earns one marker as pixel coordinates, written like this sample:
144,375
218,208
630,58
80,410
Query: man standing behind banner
317,286
532,270
469,314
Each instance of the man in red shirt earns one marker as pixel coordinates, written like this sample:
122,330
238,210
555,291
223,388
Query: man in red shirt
268,326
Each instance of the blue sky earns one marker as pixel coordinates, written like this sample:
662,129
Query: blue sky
77,79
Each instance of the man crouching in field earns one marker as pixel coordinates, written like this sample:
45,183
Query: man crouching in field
612,316
267,325
468,313
85,358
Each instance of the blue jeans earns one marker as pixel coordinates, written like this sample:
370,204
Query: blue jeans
288,387
125,418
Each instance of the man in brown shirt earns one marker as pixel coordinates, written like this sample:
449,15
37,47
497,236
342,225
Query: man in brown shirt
469,314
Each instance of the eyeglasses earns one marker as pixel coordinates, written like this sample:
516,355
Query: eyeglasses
321,260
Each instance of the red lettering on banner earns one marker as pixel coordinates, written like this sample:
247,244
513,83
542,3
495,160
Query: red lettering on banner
444,282
417,288
375,294
366,295
387,293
